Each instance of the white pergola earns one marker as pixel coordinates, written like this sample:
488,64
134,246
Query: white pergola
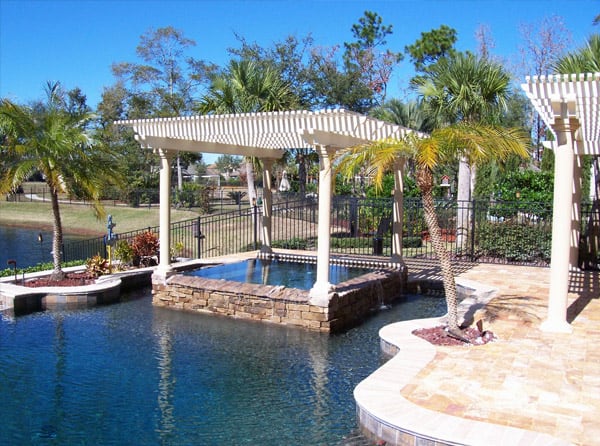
267,136
570,106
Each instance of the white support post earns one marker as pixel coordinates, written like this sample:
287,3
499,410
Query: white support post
164,268
564,167
267,206
319,293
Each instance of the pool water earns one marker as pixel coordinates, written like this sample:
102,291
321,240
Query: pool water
275,272
131,373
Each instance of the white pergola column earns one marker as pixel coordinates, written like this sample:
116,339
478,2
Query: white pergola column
564,167
164,268
398,211
319,293
267,205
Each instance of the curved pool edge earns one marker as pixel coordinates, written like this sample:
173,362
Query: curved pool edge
20,300
385,415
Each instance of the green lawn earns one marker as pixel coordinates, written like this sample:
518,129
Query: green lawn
80,219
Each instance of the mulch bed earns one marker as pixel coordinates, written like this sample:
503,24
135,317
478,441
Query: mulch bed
71,279
439,336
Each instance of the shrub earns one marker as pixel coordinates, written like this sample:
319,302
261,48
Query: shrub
145,245
412,242
515,242
123,252
293,243
97,266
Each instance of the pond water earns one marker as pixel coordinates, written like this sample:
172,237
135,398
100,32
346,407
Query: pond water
23,245
300,275
131,373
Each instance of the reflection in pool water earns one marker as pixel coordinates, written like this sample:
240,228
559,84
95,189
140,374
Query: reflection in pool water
276,272
132,373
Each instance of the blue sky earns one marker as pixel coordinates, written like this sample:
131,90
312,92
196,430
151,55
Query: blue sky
75,42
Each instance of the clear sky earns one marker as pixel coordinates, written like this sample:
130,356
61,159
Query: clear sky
75,42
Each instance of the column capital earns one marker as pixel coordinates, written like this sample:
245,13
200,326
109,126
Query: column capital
166,154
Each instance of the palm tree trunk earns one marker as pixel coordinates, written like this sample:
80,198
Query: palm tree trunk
250,180
57,239
425,182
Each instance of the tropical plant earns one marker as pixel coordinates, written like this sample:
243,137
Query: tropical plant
245,87
98,266
123,252
582,60
53,139
465,88
476,142
145,244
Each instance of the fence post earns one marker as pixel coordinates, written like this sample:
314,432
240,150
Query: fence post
198,234
473,217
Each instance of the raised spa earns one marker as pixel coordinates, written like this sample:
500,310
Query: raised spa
299,275
278,291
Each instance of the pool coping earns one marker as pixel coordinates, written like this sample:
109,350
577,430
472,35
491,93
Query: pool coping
385,414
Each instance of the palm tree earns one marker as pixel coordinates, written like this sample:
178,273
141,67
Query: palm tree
582,60
476,142
465,88
46,138
246,87
407,114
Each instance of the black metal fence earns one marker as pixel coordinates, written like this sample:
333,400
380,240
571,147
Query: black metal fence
480,231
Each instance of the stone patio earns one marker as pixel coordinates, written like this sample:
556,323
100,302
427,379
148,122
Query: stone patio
542,388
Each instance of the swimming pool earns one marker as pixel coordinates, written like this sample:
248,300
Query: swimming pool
132,373
300,275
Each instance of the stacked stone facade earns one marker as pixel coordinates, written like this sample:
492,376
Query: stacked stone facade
349,303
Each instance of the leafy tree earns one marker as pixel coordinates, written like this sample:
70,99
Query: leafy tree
474,141
165,83
227,163
432,47
51,138
363,54
544,42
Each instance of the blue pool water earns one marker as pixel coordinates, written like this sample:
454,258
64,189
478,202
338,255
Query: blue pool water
134,374
274,272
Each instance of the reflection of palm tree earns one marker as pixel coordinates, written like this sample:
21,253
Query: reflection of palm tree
247,88
166,384
476,142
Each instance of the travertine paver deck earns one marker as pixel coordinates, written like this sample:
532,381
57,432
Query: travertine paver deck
529,379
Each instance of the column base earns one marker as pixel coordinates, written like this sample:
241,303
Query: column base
320,294
161,274
553,326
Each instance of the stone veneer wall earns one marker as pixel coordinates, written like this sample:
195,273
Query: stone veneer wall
351,301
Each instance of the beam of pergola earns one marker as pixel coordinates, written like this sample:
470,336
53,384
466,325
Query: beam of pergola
569,104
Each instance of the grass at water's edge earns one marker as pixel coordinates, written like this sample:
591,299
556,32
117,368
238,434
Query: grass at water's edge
80,219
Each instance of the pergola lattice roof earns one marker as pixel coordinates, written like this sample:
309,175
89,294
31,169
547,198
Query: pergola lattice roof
576,94
263,135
